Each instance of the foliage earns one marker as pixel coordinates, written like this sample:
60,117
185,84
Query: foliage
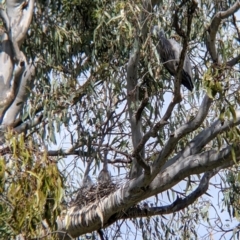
31,188
82,96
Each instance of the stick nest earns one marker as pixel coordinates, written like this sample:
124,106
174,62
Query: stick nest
88,195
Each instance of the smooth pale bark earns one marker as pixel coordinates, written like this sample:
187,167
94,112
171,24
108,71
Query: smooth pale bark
98,215
132,88
14,69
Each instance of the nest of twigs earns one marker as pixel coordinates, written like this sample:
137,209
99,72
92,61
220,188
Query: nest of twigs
88,195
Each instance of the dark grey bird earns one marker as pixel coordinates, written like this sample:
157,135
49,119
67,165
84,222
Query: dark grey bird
170,51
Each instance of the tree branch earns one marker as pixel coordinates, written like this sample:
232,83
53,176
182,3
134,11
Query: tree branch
29,124
178,77
233,61
177,205
194,164
132,104
17,18
204,137
142,163
80,221
150,133
143,104
20,15
213,28
24,85
181,132
132,89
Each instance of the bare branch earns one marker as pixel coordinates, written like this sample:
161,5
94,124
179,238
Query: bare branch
142,163
213,28
204,137
150,133
67,152
176,21
141,108
233,61
179,204
194,164
176,99
29,124
179,133
178,76
132,104
235,25
132,89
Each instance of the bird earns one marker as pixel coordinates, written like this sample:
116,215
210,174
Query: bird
104,176
170,51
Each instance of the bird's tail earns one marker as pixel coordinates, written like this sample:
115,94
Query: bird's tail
187,81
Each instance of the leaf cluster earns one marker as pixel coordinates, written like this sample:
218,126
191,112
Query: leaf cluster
31,188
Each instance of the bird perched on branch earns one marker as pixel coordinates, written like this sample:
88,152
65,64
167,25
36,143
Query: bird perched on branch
170,51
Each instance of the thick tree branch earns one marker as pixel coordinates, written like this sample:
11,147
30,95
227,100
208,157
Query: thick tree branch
204,137
6,57
132,89
179,204
17,19
194,164
20,15
26,18
25,85
210,133
179,133
132,104
80,221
